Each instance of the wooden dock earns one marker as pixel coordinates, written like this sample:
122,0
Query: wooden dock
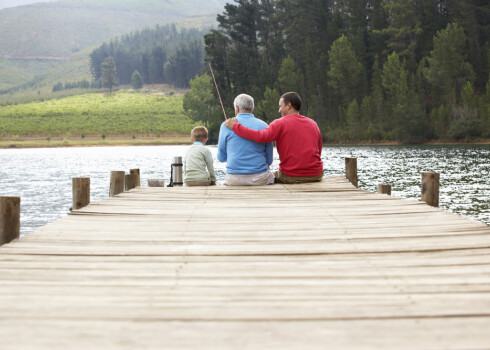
313,266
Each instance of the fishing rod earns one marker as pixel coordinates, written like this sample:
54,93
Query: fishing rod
219,96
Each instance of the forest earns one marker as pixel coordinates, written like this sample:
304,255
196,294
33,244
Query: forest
162,54
367,70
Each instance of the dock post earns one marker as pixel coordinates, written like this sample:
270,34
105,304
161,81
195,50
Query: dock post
430,188
138,180
9,219
81,192
117,183
130,181
156,183
384,189
351,170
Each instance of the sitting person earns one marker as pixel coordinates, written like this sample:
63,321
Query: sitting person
247,162
298,141
197,159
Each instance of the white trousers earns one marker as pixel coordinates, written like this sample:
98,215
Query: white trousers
266,178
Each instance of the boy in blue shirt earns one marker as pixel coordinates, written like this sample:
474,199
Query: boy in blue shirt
247,162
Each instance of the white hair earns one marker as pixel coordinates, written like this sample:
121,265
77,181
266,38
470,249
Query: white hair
244,103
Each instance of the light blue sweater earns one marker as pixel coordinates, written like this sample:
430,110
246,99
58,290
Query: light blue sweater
243,156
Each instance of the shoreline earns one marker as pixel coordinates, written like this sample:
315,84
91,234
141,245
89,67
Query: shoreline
394,143
109,141
119,140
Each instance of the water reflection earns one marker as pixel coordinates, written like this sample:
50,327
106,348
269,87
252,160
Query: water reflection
42,177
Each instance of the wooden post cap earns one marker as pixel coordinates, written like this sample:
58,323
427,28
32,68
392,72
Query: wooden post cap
80,192
138,180
9,219
130,181
117,183
384,189
430,188
351,170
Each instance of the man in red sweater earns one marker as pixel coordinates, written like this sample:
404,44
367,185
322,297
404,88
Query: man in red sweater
298,141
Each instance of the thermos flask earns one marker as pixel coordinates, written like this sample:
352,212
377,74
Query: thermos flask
176,177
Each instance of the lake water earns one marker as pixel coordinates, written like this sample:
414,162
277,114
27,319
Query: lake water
42,177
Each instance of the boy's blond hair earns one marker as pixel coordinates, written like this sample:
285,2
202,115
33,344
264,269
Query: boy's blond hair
199,133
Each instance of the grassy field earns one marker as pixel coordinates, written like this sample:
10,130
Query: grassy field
94,119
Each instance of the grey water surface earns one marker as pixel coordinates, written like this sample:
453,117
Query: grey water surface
42,177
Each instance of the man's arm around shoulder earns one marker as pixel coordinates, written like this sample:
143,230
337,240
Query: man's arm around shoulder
268,134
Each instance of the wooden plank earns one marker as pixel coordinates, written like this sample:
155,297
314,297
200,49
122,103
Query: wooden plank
444,333
281,266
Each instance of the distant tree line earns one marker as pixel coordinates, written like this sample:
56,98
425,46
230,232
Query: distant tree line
160,55
371,70
82,84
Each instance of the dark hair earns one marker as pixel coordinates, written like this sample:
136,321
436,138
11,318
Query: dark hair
294,98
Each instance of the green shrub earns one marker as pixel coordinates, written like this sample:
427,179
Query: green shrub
465,124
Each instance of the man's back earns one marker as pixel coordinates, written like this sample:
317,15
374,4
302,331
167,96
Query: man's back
298,141
244,156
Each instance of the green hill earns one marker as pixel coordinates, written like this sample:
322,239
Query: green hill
60,28
77,68
12,75
39,75
35,38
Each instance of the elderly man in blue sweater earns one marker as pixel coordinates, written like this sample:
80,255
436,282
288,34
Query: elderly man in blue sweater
247,162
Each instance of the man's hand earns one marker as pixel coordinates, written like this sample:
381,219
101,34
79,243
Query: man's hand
230,122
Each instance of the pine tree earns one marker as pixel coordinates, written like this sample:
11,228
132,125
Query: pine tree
136,80
158,57
353,120
403,25
473,17
97,57
345,71
394,79
290,79
271,41
267,108
123,61
109,73
447,70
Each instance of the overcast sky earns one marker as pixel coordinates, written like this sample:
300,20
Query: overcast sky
14,3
